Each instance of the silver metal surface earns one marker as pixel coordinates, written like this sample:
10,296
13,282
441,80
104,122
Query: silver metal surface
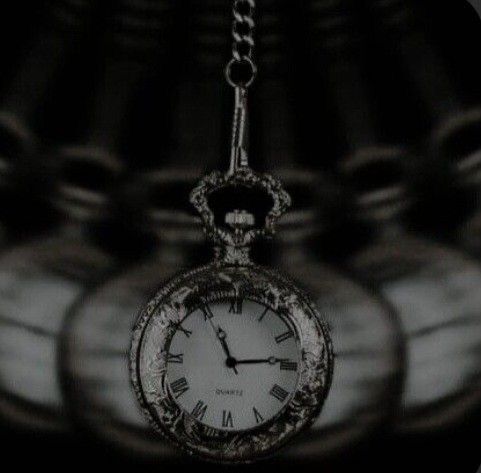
157,325
241,238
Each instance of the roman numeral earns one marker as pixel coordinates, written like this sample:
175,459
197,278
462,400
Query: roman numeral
171,358
257,416
207,312
287,365
179,387
284,336
235,306
279,393
199,410
227,419
261,318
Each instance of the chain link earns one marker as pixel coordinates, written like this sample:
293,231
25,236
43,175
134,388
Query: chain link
240,73
241,70
243,29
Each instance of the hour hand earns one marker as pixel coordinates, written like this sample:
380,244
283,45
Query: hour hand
231,362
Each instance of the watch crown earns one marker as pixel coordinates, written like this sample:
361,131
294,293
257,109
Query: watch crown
239,219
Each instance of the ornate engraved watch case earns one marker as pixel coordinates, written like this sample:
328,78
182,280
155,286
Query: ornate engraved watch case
242,420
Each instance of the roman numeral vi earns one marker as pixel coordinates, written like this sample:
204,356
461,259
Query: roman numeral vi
227,419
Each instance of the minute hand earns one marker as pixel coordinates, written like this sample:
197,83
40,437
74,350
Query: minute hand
221,336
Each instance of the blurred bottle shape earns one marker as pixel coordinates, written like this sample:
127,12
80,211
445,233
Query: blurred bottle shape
97,334
96,337
32,68
368,345
434,289
40,280
36,278
135,47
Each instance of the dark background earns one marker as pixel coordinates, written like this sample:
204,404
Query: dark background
113,77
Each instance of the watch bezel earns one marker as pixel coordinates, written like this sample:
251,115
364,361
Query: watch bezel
156,326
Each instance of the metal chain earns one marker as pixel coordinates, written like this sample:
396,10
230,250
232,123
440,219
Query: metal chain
241,70
240,74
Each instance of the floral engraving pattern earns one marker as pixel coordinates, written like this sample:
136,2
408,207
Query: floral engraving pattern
157,324
242,178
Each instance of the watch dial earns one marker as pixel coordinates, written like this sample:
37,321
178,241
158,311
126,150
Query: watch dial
233,365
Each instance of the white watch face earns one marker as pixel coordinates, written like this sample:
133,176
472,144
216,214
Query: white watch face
233,365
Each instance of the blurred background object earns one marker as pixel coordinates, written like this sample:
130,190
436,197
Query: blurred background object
432,288
41,279
369,110
96,338
41,55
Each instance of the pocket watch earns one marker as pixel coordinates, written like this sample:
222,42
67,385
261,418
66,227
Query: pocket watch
231,360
